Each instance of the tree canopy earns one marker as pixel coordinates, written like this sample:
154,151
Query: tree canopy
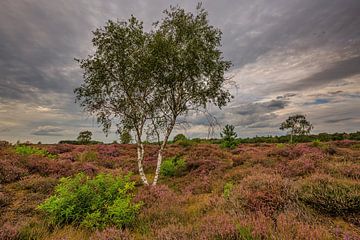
143,81
297,125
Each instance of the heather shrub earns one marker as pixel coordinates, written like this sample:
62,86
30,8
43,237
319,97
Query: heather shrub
111,233
344,169
48,167
87,156
197,185
8,232
289,227
108,150
92,202
255,226
175,232
262,192
10,171
298,167
38,184
296,151
162,206
331,196
218,226
60,149
174,166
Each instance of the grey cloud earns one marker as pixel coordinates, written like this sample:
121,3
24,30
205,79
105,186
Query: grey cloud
260,107
336,120
40,38
48,131
335,72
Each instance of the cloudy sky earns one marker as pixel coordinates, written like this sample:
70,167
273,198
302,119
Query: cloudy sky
289,56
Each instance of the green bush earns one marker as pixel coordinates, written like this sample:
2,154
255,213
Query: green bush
28,150
179,137
227,189
173,166
331,196
280,145
92,202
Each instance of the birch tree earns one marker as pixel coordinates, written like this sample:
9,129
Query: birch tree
144,81
118,88
188,67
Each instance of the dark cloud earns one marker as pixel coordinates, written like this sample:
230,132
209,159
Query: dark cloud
261,107
335,72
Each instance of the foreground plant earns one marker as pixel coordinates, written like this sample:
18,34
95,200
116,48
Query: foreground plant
92,203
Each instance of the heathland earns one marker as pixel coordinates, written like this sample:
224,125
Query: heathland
254,191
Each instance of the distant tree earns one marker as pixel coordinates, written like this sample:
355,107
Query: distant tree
125,137
84,137
297,125
179,137
228,136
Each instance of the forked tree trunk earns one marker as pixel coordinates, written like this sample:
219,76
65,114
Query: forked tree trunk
160,156
140,155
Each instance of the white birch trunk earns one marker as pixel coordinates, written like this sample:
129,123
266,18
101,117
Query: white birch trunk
159,159
140,154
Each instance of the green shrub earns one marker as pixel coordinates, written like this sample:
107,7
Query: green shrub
28,150
92,202
173,166
227,189
280,145
179,137
331,196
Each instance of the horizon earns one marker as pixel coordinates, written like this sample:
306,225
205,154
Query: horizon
288,57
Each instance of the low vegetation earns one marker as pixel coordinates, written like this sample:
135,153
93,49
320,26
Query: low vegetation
92,203
253,191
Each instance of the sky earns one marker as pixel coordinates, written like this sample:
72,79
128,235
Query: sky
289,56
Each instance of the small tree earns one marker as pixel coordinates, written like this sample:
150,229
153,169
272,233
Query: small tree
125,137
297,125
179,137
228,136
84,137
